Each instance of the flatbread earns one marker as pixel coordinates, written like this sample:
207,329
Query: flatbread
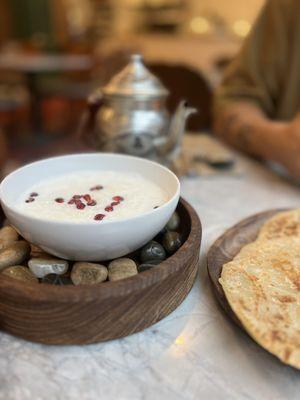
263,290
262,286
284,224
285,247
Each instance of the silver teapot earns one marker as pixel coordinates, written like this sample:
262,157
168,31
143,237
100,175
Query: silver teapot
129,116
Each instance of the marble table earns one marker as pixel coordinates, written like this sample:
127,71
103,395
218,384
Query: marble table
194,353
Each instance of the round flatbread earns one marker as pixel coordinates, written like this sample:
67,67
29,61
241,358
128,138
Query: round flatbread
262,286
284,224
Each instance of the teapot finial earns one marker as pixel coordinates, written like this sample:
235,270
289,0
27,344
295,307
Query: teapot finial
136,57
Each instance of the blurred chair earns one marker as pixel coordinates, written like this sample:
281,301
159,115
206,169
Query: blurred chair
63,99
184,82
14,110
4,154
64,96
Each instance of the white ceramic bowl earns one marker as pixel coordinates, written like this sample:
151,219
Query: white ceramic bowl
88,241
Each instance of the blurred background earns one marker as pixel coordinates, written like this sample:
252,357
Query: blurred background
53,53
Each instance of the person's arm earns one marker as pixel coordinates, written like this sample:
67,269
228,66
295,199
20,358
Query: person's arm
246,103
245,126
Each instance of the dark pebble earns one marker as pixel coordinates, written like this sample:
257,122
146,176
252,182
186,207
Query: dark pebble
55,279
148,265
171,242
152,251
174,222
160,235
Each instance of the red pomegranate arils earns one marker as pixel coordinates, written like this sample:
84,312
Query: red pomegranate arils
115,203
80,206
59,200
34,194
97,187
99,217
87,197
30,200
72,201
109,208
91,203
118,198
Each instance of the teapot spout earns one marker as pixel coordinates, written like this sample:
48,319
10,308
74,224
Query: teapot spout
177,128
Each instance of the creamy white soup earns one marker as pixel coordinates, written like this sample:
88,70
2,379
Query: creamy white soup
92,196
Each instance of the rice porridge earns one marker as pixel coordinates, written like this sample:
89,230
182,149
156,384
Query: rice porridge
92,196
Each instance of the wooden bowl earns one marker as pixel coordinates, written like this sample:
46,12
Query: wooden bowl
89,314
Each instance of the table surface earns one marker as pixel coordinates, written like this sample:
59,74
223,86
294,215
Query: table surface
194,353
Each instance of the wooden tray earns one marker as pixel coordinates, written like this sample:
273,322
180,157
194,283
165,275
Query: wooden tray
89,314
227,247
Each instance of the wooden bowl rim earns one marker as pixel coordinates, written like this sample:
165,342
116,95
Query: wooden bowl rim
70,293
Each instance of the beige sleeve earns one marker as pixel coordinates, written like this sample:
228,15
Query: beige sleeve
256,73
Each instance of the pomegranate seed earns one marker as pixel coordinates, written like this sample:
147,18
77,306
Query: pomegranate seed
97,187
87,197
34,194
91,203
72,201
76,197
30,200
99,217
118,198
109,208
80,206
59,200
115,203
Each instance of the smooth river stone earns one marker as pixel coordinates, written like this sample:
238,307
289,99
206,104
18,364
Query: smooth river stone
4,244
153,251
174,222
41,267
148,265
171,242
8,233
85,273
21,273
14,254
121,268
8,236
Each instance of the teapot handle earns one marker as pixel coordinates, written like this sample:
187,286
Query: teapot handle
87,122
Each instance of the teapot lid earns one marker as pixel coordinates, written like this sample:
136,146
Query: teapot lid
135,80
